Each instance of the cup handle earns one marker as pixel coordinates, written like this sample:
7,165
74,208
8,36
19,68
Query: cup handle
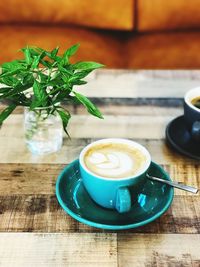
123,200
196,131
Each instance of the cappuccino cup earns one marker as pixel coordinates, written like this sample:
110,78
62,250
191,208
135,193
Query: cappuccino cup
192,113
113,171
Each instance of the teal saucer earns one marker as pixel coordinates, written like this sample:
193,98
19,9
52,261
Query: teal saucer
153,200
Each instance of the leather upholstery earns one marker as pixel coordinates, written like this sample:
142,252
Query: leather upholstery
170,50
100,47
152,44
106,14
168,15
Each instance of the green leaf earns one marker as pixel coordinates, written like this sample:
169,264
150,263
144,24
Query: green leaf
72,50
5,89
40,95
6,112
79,75
11,68
28,79
91,108
16,90
43,77
82,74
13,65
64,70
65,116
38,49
78,82
10,81
46,63
75,79
87,65
68,53
38,91
35,62
57,80
27,55
61,96
19,100
9,73
34,50
22,100
54,52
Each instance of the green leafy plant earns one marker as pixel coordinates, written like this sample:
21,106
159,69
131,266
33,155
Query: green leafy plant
44,79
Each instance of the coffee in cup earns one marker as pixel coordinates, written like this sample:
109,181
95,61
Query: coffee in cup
113,170
192,113
114,160
196,102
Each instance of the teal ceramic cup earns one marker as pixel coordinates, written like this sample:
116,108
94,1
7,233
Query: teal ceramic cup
112,193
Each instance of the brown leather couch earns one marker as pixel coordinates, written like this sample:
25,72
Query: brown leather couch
147,34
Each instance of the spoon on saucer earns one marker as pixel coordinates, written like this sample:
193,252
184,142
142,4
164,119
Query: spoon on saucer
178,185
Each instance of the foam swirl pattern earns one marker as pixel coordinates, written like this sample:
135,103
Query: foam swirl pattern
112,164
115,162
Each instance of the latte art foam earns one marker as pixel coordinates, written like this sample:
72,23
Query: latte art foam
114,160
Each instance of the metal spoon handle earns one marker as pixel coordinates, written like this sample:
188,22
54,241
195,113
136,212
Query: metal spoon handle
174,184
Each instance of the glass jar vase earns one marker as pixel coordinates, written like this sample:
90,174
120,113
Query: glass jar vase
43,131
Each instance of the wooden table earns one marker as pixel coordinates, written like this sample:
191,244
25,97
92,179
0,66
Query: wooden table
35,231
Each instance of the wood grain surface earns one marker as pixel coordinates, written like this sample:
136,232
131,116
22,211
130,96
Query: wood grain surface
158,250
35,231
88,250
20,178
42,213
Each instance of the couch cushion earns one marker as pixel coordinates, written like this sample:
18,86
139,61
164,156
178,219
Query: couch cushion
100,13
164,51
165,15
100,47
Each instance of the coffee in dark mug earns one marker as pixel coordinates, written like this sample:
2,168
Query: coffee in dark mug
196,102
192,113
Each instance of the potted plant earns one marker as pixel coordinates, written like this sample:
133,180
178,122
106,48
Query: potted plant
41,83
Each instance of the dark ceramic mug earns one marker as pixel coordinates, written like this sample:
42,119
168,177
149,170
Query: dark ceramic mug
192,114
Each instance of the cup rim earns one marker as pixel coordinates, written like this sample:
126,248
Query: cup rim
121,141
190,95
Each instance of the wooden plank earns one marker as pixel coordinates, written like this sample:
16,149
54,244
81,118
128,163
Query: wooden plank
141,83
18,179
128,83
131,121
136,107
84,126
153,250
136,250
42,213
14,150
126,106
58,250
127,126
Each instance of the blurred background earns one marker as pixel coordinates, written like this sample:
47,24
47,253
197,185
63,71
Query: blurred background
130,34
